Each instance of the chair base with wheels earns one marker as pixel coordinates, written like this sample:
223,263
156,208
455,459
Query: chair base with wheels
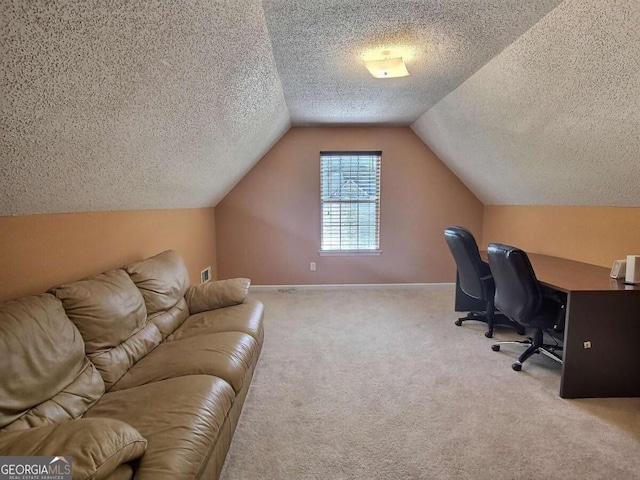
534,345
498,319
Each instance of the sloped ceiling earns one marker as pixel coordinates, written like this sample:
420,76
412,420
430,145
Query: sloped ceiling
555,118
319,47
132,105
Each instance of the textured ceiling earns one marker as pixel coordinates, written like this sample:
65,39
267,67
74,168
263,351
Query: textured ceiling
555,118
132,105
318,46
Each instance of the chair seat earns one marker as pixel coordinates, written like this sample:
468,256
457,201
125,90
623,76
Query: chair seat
547,314
180,417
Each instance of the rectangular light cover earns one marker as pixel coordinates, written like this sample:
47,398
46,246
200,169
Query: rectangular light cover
387,68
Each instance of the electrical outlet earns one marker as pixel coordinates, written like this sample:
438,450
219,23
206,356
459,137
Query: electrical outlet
205,275
312,266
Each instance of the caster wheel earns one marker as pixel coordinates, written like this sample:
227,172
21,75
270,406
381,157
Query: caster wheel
495,348
459,323
517,367
488,334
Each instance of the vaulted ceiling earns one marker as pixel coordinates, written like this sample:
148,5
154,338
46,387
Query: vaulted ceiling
555,118
134,105
319,47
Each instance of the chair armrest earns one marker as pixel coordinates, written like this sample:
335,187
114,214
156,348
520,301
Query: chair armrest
97,445
487,281
218,294
486,277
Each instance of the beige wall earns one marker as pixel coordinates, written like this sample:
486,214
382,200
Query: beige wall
597,235
268,226
39,251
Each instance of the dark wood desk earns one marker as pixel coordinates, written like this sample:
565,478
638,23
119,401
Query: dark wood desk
600,310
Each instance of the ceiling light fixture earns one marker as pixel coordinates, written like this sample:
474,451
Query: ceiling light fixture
387,67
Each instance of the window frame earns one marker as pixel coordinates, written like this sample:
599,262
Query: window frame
361,251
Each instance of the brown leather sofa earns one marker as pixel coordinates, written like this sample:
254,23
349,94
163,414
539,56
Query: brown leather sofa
133,372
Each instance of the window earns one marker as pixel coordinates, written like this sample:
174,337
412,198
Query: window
350,201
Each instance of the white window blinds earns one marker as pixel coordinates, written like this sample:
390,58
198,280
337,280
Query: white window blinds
350,201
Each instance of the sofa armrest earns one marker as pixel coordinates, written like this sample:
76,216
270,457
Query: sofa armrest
218,294
97,445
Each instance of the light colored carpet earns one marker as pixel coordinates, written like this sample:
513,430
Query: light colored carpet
380,384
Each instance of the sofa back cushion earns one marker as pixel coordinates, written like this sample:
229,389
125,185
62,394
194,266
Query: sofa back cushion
106,308
162,279
45,376
110,313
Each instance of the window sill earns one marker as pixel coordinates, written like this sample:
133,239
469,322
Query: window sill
349,253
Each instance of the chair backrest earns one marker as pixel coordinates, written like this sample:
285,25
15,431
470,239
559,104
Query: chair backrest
518,293
470,266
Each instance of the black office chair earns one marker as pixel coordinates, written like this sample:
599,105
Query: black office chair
519,296
475,280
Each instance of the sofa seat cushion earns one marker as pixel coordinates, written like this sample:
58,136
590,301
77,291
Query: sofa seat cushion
181,419
123,472
246,318
228,355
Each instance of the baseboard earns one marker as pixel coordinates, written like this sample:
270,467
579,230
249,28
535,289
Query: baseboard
334,286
